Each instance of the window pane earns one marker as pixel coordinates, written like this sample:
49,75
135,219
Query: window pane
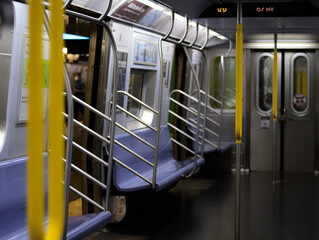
300,84
265,83
216,81
136,89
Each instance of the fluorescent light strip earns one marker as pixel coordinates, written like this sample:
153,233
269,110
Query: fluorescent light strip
282,45
67,36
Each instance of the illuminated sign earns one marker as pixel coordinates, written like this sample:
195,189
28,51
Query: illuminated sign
274,9
265,9
221,10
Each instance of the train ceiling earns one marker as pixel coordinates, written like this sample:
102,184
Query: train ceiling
259,17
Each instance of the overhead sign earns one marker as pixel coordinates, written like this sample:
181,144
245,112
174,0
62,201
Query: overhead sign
132,11
271,9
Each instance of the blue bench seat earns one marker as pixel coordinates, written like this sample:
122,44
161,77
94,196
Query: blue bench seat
224,146
169,171
13,218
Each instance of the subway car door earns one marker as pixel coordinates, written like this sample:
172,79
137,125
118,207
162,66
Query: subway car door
261,123
298,120
295,131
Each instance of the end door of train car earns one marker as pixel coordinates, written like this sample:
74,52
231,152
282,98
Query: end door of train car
295,129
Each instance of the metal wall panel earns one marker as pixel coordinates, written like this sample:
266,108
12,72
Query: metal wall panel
299,130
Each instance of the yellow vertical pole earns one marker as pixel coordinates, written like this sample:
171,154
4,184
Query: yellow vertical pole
239,114
239,83
275,87
274,109
56,123
35,130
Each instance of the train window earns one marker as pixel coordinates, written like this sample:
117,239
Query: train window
216,81
264,83
136,89
300,83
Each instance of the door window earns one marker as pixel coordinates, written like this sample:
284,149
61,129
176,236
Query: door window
300,83
264,83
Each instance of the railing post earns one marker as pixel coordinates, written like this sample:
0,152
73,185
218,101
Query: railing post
239,113
274,109
35,130
198,110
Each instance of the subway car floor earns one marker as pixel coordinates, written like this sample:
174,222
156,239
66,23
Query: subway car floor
203,208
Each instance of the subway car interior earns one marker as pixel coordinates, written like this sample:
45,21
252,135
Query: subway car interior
159,119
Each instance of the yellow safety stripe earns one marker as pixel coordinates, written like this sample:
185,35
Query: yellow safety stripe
56,123
275,88
239,84
35,131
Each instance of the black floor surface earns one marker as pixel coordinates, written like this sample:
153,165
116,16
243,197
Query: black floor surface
203,208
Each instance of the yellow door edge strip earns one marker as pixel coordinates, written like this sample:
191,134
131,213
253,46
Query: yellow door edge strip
239,84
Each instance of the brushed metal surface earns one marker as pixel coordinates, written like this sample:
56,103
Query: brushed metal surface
299,136
6,28
261,137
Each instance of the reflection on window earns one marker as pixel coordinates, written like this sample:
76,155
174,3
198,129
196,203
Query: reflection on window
216,81
300,84
136,89
264,85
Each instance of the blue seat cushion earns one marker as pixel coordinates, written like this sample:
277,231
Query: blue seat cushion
81,226
169,170
224,146
13,219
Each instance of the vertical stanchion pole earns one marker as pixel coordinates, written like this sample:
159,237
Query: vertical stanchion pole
35,124
239,113
56,124
274,109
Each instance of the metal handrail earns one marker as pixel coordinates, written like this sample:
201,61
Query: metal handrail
134,153
136,118
83,103
171,25
185,94
82,149
138,100
70,124
113,113
182,132
208,95
185,31
134,135
132,170
180,42
196,36
79,170
183,106
67,4
202,116
206,41
181,118
208,107
87,198
87,17
185,147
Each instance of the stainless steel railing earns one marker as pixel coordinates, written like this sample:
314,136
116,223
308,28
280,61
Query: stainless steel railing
213,117
189,124
137,137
